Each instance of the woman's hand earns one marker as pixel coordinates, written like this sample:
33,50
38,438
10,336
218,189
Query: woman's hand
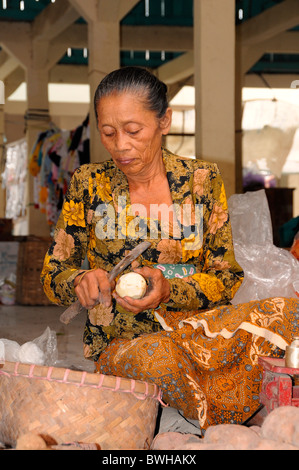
157,293
92,287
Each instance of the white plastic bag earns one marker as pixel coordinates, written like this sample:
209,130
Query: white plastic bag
269,271
40,351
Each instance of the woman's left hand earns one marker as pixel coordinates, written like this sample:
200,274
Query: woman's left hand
158,292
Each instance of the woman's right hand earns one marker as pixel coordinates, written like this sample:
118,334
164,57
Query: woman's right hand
93,286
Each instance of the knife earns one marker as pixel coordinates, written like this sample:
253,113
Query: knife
71,312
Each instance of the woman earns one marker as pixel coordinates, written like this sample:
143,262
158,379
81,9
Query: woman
183,334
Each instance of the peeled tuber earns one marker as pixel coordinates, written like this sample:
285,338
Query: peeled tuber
131,285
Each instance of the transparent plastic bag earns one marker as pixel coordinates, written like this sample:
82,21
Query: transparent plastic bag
269,271
47,342
40,351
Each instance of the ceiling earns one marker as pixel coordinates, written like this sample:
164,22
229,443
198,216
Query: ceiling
158,12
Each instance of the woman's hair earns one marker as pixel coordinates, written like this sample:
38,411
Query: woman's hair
135,80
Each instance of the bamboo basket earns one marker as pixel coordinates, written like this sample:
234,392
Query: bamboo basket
29,290
75,406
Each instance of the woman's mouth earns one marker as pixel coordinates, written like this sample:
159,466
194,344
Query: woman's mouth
125,161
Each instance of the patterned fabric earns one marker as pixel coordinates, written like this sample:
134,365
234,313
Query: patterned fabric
97,219
206,363
176,270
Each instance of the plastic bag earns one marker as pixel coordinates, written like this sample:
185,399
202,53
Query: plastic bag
40,351
8,290
269,271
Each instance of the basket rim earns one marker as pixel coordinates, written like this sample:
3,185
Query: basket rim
141,390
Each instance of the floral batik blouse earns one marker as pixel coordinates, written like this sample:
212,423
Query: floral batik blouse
98,221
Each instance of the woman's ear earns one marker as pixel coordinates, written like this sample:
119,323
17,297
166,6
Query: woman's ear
165,121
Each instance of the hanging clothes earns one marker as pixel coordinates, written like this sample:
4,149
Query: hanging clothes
54,158
14,178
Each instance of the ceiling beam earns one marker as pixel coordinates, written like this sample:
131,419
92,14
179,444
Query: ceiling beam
177,69
86,9
3,56
75,36
125,7
15,38
54,19
272,80
157,38
271,22
137,38
114,10
174,88
69,74
102,10
8,67
284,43
13,81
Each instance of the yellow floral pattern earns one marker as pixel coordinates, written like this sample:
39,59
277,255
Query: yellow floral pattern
73,213
126,223
191,247
211,286
103,187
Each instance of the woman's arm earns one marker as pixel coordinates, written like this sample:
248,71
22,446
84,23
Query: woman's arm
65,256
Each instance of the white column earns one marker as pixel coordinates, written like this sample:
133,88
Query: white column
104,51
214,79
37,120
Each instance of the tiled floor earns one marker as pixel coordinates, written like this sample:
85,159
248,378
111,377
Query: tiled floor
25,323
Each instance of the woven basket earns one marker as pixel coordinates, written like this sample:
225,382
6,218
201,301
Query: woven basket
31,256
75,406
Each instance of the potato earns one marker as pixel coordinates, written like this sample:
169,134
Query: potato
131,285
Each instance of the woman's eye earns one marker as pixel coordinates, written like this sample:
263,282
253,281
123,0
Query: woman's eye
133,132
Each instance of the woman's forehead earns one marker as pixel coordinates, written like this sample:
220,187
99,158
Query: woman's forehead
126,102
125,95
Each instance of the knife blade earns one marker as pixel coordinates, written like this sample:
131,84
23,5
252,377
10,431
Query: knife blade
71,312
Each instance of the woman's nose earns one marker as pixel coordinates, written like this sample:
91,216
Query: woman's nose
121,141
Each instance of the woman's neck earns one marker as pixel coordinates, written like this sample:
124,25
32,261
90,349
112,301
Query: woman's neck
153,175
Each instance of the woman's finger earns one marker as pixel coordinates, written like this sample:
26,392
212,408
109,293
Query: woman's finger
93,287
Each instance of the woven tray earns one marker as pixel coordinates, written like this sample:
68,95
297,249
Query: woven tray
70,406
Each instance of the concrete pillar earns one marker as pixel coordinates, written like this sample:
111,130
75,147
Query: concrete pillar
104,52
37,119
214,80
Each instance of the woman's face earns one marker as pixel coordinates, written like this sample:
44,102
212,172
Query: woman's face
131,133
